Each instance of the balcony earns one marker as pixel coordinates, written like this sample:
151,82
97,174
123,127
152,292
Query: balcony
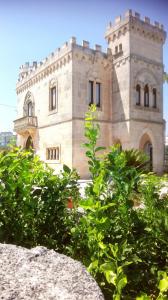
25,124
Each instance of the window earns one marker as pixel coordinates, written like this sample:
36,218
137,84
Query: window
146,96
116,49
94,93
53,98
53,153
29,109
154,98
29,105
138,94
91,92
148,149
98,93
120,47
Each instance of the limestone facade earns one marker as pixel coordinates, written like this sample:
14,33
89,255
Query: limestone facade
126,83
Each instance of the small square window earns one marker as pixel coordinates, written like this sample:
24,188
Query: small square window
53,153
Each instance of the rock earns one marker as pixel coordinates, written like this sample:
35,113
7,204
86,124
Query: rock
42,274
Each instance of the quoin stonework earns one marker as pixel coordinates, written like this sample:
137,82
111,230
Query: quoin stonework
125,83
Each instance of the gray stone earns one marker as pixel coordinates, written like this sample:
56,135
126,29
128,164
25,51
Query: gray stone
43,274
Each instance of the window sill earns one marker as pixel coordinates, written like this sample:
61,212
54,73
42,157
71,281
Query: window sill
116,55
48,161
52,112
98,108
146,108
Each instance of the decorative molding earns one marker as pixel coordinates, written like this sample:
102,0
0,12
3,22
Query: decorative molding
134,24
138,120
137,58
32,79
149,61
146,71
44,71
145,108
28,99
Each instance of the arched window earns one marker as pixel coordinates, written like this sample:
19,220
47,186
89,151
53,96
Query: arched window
148,149
154,98
146,146
30,109
146,96
118,144
138,94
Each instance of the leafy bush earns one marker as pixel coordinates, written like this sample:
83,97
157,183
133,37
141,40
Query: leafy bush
122,235
33,201
120,229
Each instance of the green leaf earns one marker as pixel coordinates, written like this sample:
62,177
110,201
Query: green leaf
122,283
102,245
143,296
127,263
106,206
111,277
93,265
99,149
87,204
108,266
66,169
163,285
114,249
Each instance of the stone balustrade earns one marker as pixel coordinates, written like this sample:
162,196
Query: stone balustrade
24,124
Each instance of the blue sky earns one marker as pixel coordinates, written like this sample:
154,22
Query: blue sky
30,30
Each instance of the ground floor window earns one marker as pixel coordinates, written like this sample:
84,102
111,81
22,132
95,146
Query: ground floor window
53,153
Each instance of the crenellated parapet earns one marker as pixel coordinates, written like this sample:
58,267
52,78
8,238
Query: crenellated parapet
30,74
133,22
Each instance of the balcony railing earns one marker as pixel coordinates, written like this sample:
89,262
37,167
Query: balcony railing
25,124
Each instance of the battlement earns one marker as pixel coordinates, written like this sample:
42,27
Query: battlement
130,14
28,70
134,18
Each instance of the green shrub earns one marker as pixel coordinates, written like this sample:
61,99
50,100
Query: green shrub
122,235
33,201
120,231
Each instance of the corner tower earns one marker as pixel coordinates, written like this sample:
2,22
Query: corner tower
137,85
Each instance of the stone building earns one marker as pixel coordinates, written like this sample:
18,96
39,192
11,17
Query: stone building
125,83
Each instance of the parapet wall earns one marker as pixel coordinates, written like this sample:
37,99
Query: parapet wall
56,59
134,18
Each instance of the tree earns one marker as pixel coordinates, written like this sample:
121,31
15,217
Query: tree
165,77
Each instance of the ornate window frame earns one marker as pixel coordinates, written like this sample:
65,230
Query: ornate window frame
29,99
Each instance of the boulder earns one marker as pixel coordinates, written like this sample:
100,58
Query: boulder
43,274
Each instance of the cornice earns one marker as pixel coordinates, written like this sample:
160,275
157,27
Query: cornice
135,25
54,62
40,73
137,58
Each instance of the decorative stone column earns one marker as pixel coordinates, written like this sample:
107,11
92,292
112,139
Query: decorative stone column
142,95
150,96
